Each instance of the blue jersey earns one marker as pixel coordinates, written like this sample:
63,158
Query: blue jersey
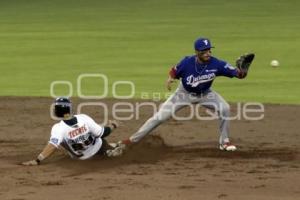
197,78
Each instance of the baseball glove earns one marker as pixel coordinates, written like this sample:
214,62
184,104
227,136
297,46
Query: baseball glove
243,63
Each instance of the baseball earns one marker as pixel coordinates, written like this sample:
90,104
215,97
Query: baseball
274,63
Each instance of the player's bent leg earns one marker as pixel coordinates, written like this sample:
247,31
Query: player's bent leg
224,114
157,119
214,101
174,103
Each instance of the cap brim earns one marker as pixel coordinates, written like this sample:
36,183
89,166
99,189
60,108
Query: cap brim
205,48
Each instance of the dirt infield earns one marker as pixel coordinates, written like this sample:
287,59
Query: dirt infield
179,161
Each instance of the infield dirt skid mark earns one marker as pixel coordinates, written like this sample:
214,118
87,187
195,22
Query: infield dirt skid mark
154,151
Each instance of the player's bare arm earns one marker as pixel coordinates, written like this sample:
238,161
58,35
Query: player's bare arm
113,124
110,127
171,79
47,151
169,83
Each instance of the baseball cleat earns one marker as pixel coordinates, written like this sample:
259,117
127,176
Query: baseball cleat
227,147
114,145
114,152
123,144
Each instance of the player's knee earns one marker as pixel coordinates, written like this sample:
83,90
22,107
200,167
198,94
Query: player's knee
160,119
224,110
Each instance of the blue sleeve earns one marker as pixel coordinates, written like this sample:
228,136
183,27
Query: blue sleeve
226,69
180,67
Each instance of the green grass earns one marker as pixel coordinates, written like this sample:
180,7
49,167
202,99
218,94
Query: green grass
43,41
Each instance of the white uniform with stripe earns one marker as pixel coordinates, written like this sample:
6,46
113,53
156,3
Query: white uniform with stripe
82,140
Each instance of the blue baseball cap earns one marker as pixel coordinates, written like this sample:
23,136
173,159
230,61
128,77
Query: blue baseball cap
202,44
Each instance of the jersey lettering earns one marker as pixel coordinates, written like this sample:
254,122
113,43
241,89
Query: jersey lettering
195,81
77,131
81,142
198,77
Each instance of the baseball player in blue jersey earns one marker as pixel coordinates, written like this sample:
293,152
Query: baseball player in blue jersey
197,73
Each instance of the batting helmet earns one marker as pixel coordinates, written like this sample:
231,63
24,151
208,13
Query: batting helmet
62,106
